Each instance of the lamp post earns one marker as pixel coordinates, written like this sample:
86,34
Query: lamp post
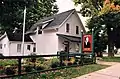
81,48
81,51
93,53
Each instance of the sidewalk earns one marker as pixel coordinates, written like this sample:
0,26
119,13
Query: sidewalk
112,72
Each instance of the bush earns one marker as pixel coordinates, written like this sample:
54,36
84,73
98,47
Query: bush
55,63
87,60
33,59
40,67
6,62
28,68
41,59
1,55
9,70
72,60
47,64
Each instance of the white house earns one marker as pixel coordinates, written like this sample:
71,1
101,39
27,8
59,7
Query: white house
10,44
60,32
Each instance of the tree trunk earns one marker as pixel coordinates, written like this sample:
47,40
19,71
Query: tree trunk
99,54
110,49
110,44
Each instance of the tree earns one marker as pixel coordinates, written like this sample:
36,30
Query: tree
89,7
102,12
100,39
112,23
110,14
11,12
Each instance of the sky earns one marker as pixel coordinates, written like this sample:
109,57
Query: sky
65,5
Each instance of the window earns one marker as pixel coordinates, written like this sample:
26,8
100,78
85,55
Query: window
67,28
77,30
18,47
28,47
4,45
40,30
0,46
34,49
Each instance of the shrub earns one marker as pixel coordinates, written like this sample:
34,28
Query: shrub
6,62
69,63
28,68
63,55
9,70
1,55
33,59
72,60
55,62
41,59
87,60
47,64
40,67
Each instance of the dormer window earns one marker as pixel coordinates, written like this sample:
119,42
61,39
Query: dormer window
40,30
77,30
67,28
0,46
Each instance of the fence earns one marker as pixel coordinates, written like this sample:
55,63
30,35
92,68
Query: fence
76,58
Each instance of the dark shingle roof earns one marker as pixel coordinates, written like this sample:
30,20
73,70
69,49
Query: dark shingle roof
70,38
18,37
54,20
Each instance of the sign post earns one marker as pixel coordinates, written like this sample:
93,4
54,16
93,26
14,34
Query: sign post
93,53
87,43
81,48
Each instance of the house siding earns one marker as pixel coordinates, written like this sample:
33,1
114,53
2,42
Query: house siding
13,49
73,21
5,49
47,42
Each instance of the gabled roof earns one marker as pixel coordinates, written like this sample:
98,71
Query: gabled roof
18,37
54,20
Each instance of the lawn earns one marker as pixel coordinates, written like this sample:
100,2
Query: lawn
111,59
67,73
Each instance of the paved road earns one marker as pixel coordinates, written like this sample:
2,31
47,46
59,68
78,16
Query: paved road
112,72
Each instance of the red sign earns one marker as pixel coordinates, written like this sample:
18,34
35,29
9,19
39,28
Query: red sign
87,43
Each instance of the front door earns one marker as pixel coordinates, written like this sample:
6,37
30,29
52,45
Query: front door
66,49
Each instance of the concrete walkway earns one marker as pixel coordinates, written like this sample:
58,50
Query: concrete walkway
112,72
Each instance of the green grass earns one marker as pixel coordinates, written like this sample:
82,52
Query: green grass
111,59
67,73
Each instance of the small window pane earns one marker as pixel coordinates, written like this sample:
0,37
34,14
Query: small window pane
4,45
28,47
77,30
0,46
18,47
34,49
39,32
67,27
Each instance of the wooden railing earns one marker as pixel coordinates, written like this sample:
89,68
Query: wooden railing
59,55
